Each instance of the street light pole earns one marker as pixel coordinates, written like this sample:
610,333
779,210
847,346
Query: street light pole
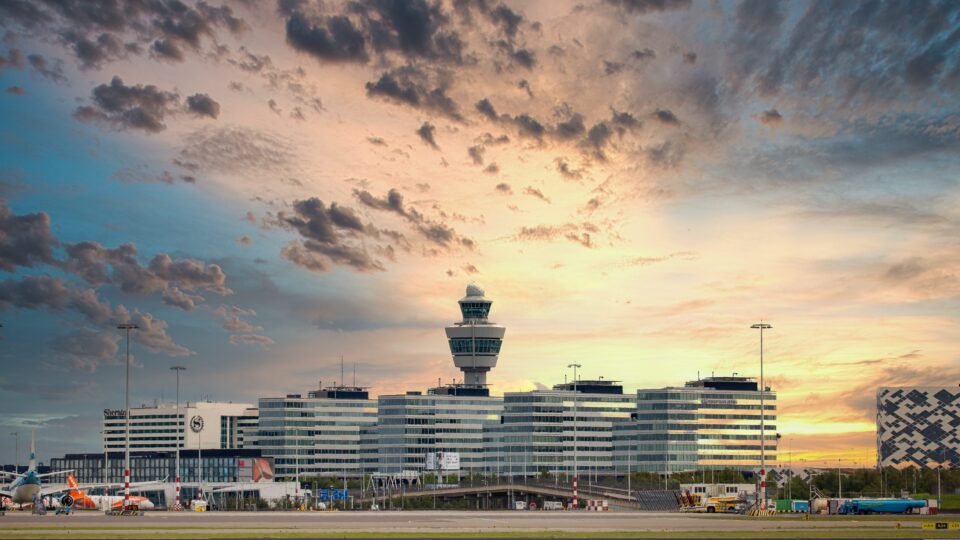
16,446
126,460
179,426
575,468
763,414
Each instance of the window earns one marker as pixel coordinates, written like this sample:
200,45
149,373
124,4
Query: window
484,345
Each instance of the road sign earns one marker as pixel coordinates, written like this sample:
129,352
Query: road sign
942,525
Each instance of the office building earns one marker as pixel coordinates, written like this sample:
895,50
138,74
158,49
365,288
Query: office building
541,429
317,435
709,423
917,427
202,424
449,419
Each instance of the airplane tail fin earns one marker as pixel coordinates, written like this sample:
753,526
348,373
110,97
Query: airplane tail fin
72,483
33,451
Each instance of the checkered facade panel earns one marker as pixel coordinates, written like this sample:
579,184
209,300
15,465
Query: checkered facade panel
918,427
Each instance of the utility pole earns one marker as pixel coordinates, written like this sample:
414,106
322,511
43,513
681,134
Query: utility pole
16,446
179,426
575,468
126,459
763,414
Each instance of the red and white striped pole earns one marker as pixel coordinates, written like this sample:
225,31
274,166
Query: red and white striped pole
763,489
126,488
575,504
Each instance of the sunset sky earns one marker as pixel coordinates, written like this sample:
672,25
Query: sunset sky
268,186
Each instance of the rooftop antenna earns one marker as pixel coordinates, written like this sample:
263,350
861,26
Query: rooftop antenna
341,370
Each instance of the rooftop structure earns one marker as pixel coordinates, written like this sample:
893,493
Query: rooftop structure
475,341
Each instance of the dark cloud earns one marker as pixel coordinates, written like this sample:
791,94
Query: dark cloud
98,265
13,58
426,132
53,71
492,168
87,350
25,240
665,154
771,117
534,192
504,188
643,54
569,173
572,128
335,39
376,141
329,236
435,232
413,29
166,49
137,106
507,19
487,110
524,57
612,68
689,58
203,105
667,117
412,86
98,32
642,7
476,154
16,90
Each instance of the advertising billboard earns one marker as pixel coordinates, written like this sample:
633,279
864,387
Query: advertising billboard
447,461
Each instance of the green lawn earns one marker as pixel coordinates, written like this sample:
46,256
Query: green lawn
951,501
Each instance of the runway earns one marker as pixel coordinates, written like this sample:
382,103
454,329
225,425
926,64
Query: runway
453,523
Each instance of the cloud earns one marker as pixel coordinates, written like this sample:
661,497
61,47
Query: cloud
232,321
504,188
16,90
436,232
87,350
25,240
54,71
250,339
135,107
426,133
771,117
476,154
13,59
666,117
689,58
492,168
335,39
578,234
203,105
330,236
643,7
412,86
236,149
173,296
534,192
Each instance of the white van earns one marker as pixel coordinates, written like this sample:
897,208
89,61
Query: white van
552,505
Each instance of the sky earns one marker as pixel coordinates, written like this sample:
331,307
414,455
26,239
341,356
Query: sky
268,187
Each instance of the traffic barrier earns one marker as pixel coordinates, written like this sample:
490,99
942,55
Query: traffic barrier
598,505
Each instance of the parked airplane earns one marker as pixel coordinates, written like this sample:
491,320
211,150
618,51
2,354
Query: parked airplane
26,487
82,501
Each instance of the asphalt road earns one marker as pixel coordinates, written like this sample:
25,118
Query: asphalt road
15,523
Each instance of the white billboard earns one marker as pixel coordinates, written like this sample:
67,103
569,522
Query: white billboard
448,461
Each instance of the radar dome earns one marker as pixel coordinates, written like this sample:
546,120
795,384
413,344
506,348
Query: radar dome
474,290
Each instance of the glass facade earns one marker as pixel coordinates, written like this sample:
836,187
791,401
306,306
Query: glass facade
701,425
475,310
215,466
327,433
482,345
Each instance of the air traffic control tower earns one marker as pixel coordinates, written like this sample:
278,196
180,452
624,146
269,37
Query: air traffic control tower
475,341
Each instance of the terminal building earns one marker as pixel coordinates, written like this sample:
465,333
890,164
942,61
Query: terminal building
567,430
203,424
711,423
917,426
317,435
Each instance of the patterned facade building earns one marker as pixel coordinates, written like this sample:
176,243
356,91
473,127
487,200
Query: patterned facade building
918,427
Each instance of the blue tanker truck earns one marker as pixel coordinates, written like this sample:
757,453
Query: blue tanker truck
880,506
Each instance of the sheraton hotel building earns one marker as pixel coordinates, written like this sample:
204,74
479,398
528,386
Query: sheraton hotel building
592,425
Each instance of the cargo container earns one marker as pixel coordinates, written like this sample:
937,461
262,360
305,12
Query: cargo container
881,506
